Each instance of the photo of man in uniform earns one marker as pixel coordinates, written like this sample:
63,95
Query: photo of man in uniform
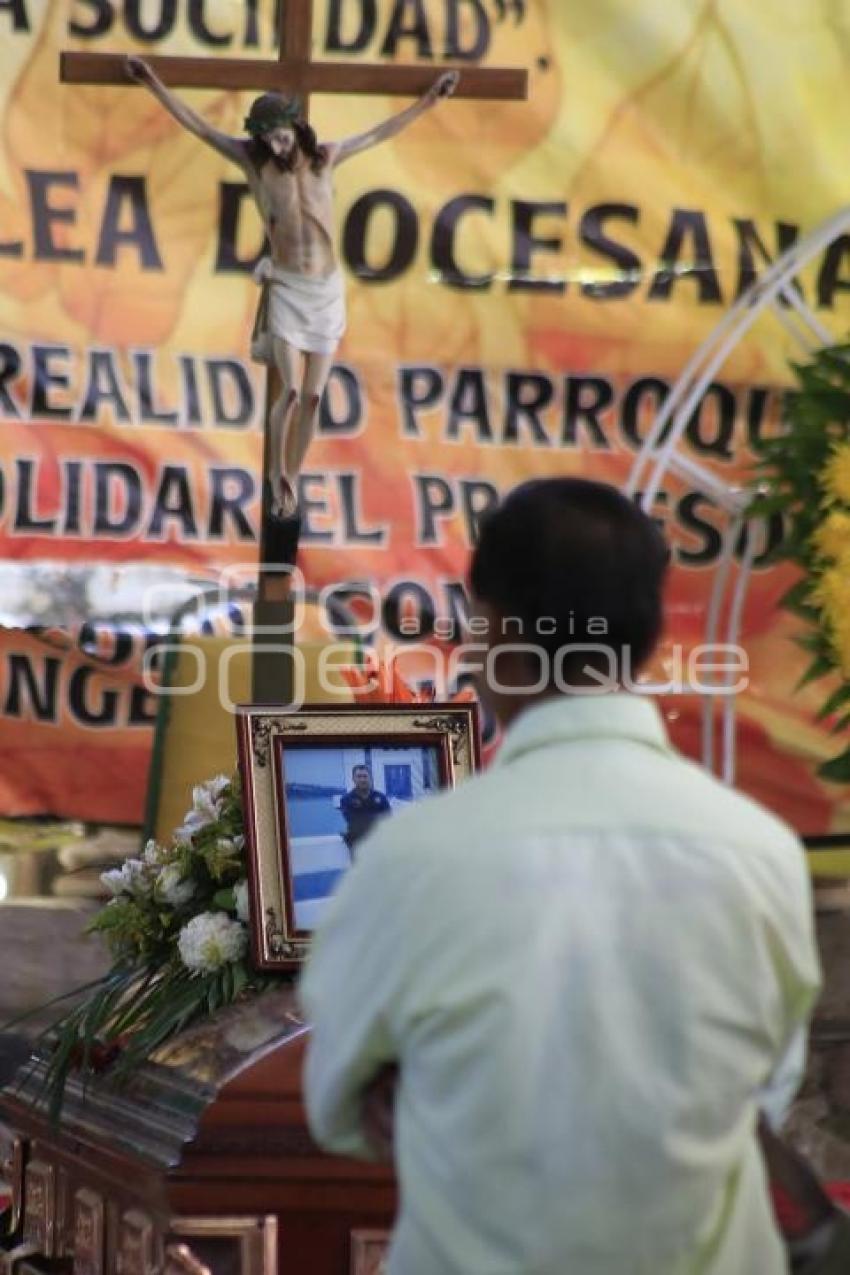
361,806
331,801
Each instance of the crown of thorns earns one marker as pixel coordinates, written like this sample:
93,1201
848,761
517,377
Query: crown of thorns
270,111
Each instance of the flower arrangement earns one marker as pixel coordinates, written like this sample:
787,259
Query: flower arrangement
805,475
176,926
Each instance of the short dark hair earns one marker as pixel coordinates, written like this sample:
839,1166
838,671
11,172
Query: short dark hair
361,765
571,551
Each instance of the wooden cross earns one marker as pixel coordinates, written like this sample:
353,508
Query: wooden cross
294,71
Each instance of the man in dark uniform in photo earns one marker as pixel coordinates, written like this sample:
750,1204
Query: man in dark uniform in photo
361,806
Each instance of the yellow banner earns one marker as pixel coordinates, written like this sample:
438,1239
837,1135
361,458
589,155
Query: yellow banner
525,281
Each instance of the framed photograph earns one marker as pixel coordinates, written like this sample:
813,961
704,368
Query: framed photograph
315,782
369,1252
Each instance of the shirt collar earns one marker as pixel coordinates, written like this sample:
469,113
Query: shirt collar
572,717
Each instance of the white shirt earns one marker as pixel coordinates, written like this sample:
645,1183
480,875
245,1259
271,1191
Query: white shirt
588,961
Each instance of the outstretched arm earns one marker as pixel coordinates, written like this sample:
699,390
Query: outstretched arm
443,87
231,147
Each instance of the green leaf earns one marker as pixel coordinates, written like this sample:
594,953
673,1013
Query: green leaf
769,503
798,593
214,993
819,667
838,769
77,992
815,642
239,976
796,601
836,700
225,899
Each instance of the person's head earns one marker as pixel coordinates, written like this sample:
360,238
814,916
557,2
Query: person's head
362,778
574,571
278,132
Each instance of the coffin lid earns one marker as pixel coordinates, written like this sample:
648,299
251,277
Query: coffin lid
158,1111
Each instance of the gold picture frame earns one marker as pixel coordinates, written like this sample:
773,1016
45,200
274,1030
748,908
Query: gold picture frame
301,825
369,1252
248,1243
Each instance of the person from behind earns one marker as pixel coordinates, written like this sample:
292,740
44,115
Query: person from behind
558,996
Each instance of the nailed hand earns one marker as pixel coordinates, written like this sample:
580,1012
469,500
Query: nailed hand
445,85
138,70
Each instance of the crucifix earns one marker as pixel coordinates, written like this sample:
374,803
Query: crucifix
301,284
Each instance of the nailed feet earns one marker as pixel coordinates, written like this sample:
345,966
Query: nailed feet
283,502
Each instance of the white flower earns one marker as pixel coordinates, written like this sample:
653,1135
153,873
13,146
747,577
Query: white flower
173,888
114,881
206,797
206,807
136,879
151,853
131,878
240,893
211,940
194,821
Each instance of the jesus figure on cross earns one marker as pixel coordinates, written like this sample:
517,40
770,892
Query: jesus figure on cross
302,309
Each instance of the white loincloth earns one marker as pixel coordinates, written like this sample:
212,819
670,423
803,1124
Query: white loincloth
308,313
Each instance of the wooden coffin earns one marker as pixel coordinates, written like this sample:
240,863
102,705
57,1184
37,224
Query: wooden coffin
202,1162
